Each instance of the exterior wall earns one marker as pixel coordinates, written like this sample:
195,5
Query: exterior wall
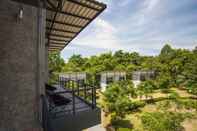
21,66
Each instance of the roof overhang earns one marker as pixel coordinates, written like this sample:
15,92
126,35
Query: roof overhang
65,19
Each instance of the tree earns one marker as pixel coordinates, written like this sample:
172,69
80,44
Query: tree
146,88
173,67
136,59
56,65
56,62
195,50
166,54
163,82
189,73
166,50
77,60
117,99
75,63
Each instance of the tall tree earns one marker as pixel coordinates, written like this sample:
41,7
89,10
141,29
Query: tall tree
56,62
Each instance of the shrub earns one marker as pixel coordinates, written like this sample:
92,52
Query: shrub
192,87
117,100
163,82
146,88
135,105
174,95
157,121
166,91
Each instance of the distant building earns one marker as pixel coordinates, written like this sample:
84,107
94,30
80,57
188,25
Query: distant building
138,76
79,77
109,77
73,76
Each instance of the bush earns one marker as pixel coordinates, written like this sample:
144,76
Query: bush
166,91
163,82
192,87
174,95
157,121
117,100
189,104
137,104
146,88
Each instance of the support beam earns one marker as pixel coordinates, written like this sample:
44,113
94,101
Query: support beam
51,46
54,47
58,40
51,4
57,43
68,13
64,23
58,7
62,36
60,30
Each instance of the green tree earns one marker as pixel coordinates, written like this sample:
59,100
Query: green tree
117,99
56,62
75,63
146,88
167,53
56,65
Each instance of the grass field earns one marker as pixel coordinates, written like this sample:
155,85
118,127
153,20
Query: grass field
132,121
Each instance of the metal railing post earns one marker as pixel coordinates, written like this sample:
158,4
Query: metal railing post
92,97
73,97
85,95
78,88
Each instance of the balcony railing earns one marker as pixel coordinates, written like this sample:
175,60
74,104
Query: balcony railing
68,97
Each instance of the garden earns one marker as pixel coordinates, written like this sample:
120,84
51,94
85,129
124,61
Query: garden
148,108
166,103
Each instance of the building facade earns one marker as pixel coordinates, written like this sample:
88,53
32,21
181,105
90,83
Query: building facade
112,76
24,49
23,66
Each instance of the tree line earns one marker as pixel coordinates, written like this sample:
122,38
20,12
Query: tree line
174,67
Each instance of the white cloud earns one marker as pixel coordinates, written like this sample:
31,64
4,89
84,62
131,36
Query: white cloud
105,26
146,11
103,36
105,1
149,25
150,4
124,2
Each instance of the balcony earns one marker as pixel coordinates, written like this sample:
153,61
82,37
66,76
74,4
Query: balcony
69,105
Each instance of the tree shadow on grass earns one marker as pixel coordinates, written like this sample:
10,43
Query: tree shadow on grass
123,124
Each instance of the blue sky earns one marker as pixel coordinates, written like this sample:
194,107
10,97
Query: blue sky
143,26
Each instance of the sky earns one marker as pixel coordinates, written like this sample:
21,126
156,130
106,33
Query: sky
143,26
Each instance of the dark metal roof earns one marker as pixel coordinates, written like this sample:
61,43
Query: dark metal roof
67,18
